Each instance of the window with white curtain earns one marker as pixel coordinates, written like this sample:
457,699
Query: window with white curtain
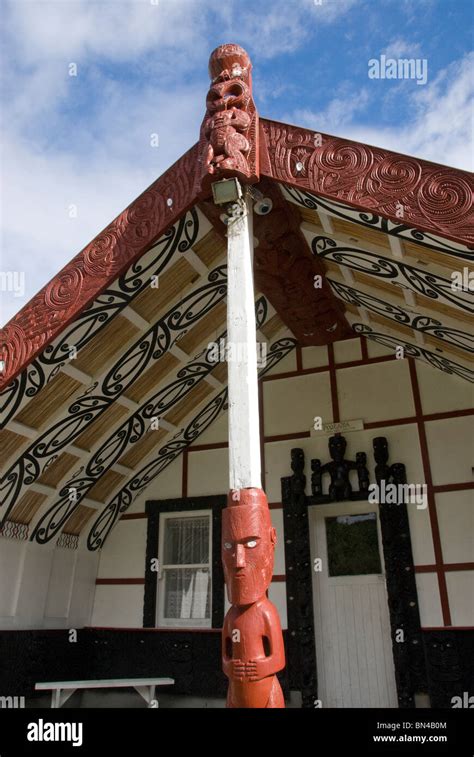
184,577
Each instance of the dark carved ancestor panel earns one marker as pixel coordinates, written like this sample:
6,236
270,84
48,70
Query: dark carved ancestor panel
407,641
192,658
153,510
408,656
450,667
301,649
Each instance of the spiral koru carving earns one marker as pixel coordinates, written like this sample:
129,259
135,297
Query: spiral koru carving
177,238
433,199
97,266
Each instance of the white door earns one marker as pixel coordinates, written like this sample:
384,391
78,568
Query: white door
352,627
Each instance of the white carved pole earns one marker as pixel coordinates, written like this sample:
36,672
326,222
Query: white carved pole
244,432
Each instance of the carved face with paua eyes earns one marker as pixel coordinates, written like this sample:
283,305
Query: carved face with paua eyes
380,449
337,448
297,460
248,545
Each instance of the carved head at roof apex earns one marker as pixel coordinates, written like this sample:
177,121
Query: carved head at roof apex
228,142
230,62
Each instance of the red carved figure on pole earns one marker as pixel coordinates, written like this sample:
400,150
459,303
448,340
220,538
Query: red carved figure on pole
252,641
229,131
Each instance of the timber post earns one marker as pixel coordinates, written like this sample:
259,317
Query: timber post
252,641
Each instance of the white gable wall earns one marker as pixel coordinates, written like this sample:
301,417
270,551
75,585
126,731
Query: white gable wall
374,389
42,586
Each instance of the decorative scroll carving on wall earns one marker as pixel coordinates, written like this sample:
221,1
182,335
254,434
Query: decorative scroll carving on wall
339,210
171,450
177,239
419,322
130,432
80,282
433,198
414,350
149,347
406,276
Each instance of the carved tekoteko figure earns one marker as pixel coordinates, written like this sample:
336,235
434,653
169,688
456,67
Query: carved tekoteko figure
252,641
395,473
316,478
362,471
338,469
298,479
229,131
382,469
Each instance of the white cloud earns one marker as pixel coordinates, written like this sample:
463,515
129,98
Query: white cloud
109,168
54,157
402,48
67,30
439,128
340,111
280,26
85,140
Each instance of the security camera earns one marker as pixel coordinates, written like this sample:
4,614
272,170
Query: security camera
263,207
224,218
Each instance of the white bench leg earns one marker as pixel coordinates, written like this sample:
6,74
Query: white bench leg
152,701
60,696
147,692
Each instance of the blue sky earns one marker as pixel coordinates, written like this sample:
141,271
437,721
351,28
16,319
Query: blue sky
142,69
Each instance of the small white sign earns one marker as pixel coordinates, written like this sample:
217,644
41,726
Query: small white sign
338,428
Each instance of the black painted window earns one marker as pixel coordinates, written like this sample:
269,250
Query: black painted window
352,544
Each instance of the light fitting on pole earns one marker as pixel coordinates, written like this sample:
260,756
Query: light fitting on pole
226,191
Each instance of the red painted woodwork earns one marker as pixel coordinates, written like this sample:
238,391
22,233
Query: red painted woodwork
285,271
228,143
252,641
124,240
433,198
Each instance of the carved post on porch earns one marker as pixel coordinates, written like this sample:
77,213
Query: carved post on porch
252,641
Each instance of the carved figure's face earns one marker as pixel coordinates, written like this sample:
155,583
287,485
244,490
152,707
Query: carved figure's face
380,449
297,459
248,545
226,95
337,448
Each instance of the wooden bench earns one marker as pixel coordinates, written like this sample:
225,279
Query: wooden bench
62,690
